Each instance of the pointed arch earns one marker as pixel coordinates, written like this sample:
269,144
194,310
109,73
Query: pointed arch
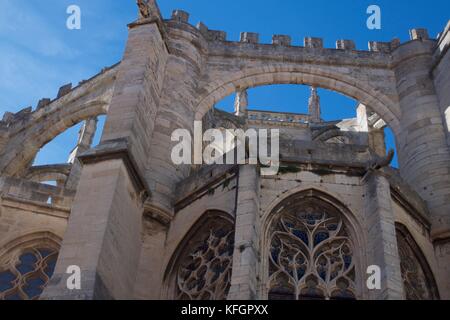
200,268
418,280
312,249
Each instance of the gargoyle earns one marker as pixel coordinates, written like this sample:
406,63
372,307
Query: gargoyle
381,162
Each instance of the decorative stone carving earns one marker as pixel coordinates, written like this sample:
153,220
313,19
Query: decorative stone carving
418,280
26,275
311,254
204,272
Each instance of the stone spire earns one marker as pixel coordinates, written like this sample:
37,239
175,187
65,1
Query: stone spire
314,106
85,139
241,103
148,9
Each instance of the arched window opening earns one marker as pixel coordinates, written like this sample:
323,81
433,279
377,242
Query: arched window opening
418,280
64,147
204,268
311,253
26,275
332,117
58,150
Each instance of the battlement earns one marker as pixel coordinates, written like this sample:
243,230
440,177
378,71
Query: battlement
182,17
23,116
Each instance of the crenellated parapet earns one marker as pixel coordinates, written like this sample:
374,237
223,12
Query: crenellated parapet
182,17
16,121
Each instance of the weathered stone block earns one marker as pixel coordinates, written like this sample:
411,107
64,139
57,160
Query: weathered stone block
281,40
316,43
249,37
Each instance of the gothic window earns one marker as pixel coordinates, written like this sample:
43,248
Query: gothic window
311,254
418,281
204,270
26,275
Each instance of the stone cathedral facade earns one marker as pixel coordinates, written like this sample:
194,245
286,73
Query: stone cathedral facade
140,227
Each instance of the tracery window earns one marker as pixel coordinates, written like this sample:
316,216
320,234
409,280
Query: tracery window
311,253
204,271
25,276
418,280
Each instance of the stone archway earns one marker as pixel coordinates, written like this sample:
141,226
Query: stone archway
385,106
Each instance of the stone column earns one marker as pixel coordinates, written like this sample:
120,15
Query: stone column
382,248
103,235
246,256
441,78
176,111
424,154
241,103
314,106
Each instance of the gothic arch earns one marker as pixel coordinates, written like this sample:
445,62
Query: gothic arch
200,268
341,240
327,78
418,280
26,265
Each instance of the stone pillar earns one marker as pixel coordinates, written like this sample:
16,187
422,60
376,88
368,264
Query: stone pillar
241,103
246,256
441,77
150,271
103,235
176,111
382,248
314,106
85,139
424,154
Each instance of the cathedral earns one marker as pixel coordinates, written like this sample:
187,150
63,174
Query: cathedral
132,224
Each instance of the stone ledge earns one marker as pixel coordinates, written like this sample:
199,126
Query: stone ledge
118,149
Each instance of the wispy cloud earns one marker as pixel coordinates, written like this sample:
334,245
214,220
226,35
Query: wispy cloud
30,29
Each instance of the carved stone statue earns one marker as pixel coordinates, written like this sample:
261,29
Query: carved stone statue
144,9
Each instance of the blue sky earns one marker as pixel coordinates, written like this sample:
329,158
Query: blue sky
38,53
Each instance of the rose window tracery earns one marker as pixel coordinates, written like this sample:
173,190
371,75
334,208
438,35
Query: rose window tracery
311,254
26,275
418,281
205,269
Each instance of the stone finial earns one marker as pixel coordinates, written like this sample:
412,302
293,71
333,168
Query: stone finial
249,37
313,42
281,40
419,34
180,16
148,9
241,102
43,103
345,45
314,106
65,89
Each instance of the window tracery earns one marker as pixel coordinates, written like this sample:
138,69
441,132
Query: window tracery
26,275
204,271
418,281
311,254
